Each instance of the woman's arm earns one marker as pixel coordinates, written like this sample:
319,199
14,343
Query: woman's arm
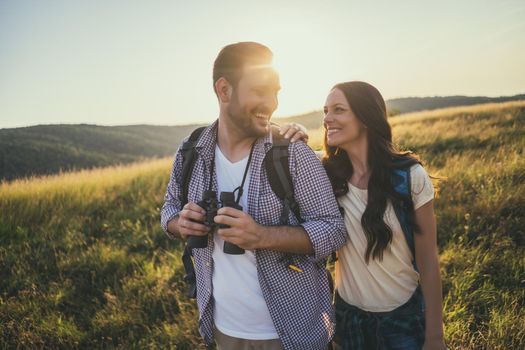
294,132
430,278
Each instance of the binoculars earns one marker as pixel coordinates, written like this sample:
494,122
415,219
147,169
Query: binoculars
210,204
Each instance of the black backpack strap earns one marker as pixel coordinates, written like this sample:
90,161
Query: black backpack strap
277,169
189,269
189,156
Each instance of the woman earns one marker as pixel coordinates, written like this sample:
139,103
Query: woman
379,290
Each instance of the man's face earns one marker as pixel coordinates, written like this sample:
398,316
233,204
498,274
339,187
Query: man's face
254,100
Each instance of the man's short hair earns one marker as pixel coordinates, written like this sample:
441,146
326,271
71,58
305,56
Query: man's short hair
232,59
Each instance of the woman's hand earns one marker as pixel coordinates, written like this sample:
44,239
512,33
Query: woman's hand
294,132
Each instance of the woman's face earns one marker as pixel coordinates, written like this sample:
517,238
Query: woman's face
343,128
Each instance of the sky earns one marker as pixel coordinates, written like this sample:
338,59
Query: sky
112,62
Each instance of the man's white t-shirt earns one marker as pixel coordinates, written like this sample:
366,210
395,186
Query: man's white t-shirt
240,310
378,286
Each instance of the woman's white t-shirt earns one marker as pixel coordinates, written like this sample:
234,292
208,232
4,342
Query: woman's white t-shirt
378,286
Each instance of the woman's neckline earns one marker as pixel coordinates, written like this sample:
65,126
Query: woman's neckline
357,188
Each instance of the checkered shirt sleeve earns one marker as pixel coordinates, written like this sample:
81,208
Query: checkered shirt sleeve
314,194
172,203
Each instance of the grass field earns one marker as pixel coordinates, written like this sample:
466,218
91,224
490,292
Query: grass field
85,264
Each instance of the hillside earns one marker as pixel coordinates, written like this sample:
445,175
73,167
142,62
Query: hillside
84,263
311,120
395,107
414,104
48,149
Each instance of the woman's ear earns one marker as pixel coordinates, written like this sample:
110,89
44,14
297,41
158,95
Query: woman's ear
223,89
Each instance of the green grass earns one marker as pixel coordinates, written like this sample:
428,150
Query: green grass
481,218
85,264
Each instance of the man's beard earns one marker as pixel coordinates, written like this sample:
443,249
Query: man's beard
245,120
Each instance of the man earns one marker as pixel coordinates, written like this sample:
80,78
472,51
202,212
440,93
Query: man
256,300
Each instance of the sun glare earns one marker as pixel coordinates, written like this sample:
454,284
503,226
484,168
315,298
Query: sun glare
306,72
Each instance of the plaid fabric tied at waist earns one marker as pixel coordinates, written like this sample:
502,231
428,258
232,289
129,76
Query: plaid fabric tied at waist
359,329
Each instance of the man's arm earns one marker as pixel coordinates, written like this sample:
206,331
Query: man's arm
173,228
177,222
322,231
172,205
313,191
248,234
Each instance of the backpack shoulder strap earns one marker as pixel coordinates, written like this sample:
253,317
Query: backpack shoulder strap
277,169
402,186
188,160
189,155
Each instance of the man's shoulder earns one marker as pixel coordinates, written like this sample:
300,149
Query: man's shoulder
201,132
300,150
297,150
199,135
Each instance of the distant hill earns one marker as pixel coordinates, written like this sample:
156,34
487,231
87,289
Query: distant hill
413,104
48,149
311,120
314,119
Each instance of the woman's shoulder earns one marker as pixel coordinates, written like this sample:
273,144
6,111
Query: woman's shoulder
413,167
418,171
421,185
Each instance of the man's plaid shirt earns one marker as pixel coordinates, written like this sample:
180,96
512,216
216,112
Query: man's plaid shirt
299,302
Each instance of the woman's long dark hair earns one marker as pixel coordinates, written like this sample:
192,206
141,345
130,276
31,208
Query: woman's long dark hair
383,157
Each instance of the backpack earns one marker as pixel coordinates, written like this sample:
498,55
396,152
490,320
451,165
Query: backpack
276,165
402,185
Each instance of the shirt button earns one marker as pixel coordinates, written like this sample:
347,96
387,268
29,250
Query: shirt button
207,264
209,290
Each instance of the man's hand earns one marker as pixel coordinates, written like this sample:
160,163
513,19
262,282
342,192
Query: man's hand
190,221
243,231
